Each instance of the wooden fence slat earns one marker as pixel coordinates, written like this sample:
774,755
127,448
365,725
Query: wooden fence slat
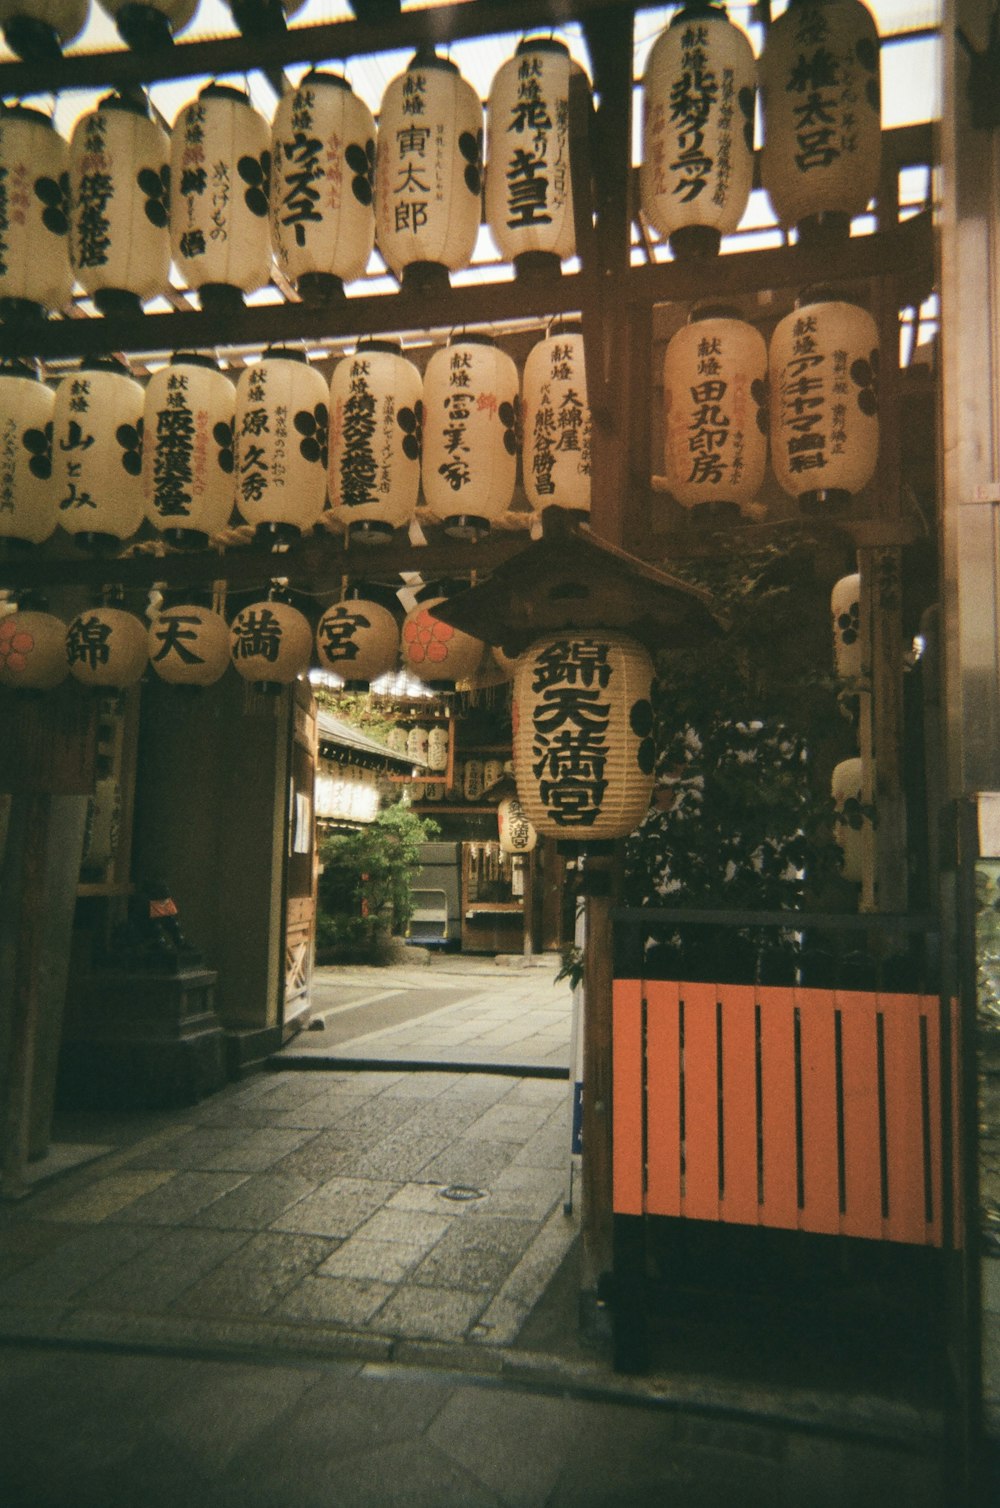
777,1093
820,1166
663,1081
904,1119
739,1100
626,1100
958,1196
862,1135
701,1103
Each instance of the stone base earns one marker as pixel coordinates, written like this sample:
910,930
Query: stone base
249,1050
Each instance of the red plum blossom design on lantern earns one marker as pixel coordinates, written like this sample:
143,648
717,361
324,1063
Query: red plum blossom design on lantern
426,638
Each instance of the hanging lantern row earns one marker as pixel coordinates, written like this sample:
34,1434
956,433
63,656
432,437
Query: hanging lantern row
40,29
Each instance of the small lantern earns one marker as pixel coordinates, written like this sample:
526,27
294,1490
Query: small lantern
107,647
35,273
824,366
516,833
189,645
28,510
148,24
529,196
470,436
435,652
557,422
37,30
120,194
97,455
437,748
428,181
32,651
282,444
376,422
220,172
821,99
845,609
699,89
584,755
847,789
359,640
188,449
715,415
270,643
322,186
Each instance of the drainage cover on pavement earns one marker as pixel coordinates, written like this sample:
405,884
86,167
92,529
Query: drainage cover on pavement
460,1192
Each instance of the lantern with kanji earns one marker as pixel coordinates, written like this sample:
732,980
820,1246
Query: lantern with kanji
322,185
35,274
821,102
470,434
107,647
188,461
847,789
119,170
557,421
699,89
715,414
189,645
428,179
376,422
220,173
40,29
358,639
435,652
28,507
516,833
282,444
271,642
145,24
824,365
97,452
845,610
32,650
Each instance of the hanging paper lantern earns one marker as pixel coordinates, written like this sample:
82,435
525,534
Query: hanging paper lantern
376,422
220,171
358,640
437,747
271,642
821,100
470,434
189,645
97,454
119,170
845,608
583,749
35,273
282,451
40,29
699,89
28,507
824,365
188,449
715,416
847,789
428,180
516,833
144,24
529,195
557,422
107,647
322,185
32,651
435,652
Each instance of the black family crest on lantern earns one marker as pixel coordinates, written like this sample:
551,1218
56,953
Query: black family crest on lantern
35,272
97,452
376,424
188,479
282,436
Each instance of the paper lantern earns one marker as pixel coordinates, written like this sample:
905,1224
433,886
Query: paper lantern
189,645
188,462
270,643
146,24
376,423
28,505
39,29
322,186
516,833
845,609
847,789
220,172
824,364
359,640
583,749
119,171
434,651
35,273
469,462
32,651
821,100
715,415
282,444
437,747
557,422
699,89
428,179
97,454
529,195
107,647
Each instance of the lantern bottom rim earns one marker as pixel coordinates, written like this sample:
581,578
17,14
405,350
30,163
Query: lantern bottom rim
186,539
320,287
689,243
21,311
469,526
117,301
258,17
143,27
97,543
825,500
220,298
529,265
277,535
820,229
425,277
33,40
16,544
715,510
370,531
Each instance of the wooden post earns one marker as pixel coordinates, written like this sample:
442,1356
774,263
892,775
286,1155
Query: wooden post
600,874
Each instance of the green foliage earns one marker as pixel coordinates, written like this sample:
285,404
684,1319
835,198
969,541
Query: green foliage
571,967
365,884
357,708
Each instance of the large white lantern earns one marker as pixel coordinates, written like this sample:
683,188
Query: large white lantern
359,640
32,650
189,645
557,422
821,99
847,789
220,174
37,29
270,643
435,652
845,611
282,444
107,647
376,420
470,434
119,169
428,180
97,452
515,831
715,412
824,365
188,460
28,507
699,89
583,749
529,195
146,24
35,273
322,185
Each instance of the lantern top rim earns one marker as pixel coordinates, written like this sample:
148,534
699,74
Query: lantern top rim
426,57
473,338
713,309
215,90
106,362
282,353
540,44
194,359
17,111
563,327
132,102
25,367
323,76
699,8
827,293
379,343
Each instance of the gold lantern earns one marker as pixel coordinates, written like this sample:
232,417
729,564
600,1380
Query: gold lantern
188,459
435,652
557,421
40,29
516,833
144,24
845,610
107,647
428,178
824,364
282,444
32,650
699,89
97,454
376,423
847,789
359,640
28,510
715,415
35,273
469,464
270,643
189,645
821,101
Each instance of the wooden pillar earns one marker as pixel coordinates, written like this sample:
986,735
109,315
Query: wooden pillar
601,875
